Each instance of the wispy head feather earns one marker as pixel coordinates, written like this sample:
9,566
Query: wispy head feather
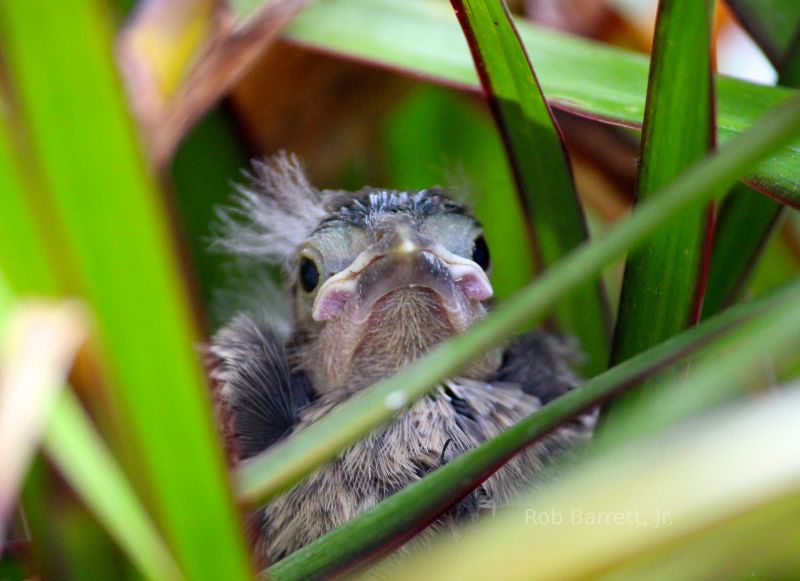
272,215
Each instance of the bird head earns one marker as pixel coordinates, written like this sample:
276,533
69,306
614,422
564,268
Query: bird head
387,276
378,277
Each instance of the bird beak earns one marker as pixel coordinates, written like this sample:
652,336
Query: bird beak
401,258
405,242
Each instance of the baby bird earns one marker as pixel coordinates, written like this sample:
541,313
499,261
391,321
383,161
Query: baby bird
377,278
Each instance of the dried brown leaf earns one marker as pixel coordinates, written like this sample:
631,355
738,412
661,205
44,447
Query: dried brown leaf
179,58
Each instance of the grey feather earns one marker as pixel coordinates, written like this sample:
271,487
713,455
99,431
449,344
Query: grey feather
366,207
268,401
539,363
262,393
430,434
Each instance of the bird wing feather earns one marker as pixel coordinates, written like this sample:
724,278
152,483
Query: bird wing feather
259,394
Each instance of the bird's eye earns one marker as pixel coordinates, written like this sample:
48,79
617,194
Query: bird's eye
309,274
480,252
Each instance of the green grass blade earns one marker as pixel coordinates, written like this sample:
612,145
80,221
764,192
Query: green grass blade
272,472
539,163
24,260
36,361
772,23
578,75
776,335
410,509
83,459
746,220
60,60
790,67
744,225
697,484
6,299
664,278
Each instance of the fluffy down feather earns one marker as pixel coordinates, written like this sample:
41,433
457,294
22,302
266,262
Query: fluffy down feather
272,215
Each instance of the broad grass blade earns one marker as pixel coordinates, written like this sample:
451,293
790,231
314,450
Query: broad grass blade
102,199
746,220
664,278
539,163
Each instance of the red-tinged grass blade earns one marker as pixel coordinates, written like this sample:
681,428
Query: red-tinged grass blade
588,78
264,476
772,24
665,278
102,197
746,220
396,519
539,163
37,346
